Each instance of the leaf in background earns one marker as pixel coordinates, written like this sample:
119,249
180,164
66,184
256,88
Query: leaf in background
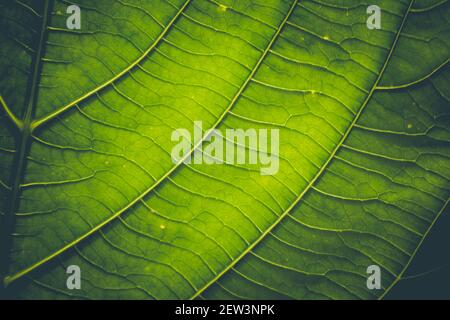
87,178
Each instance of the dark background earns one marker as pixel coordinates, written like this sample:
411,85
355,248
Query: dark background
429,271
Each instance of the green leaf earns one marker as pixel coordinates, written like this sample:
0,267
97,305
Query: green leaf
87,177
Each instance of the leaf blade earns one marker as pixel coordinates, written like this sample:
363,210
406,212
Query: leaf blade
220,219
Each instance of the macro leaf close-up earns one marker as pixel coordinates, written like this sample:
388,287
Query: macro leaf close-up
349,102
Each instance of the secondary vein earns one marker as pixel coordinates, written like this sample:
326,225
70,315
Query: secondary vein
16,121
320,172
41,121
23,143
25,271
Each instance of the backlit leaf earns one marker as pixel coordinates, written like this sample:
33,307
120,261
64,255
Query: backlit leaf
87,115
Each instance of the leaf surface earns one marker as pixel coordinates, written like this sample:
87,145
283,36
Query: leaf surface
87,177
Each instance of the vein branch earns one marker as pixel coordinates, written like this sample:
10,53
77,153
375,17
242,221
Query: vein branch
322,169
412,83
16,121
41,121
23,272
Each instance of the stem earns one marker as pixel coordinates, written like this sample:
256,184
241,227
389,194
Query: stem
23,145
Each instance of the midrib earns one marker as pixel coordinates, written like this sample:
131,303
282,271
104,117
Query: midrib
320,172
23,143
10,278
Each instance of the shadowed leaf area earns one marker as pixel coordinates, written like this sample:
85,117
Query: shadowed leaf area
86,172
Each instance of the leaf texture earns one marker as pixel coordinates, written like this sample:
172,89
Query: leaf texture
85,139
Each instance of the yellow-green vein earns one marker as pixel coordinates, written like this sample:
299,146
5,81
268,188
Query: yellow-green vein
322,169
39,122
7,280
